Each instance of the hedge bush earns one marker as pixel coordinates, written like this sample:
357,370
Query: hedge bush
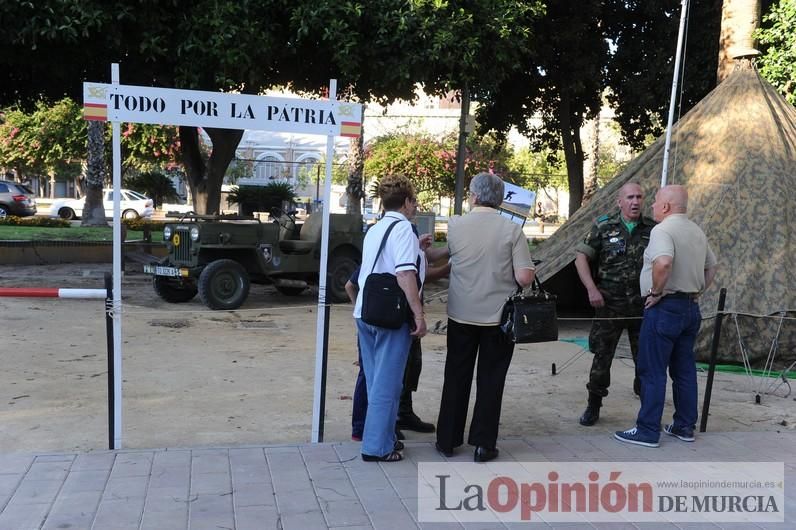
139,225
13,220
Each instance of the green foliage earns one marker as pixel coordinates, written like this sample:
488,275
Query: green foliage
13,220
573,65
533,170
154,185
419,157
148,147
641,64
777,37
66,233
261,198
477,43
431,163
49,140
140,225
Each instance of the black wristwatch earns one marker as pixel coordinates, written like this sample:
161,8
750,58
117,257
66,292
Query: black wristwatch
654,294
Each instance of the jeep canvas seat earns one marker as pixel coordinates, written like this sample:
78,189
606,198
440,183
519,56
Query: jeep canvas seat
309,237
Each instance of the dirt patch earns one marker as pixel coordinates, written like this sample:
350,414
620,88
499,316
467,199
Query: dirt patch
195,377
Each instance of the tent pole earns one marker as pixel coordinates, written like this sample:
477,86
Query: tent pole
673,99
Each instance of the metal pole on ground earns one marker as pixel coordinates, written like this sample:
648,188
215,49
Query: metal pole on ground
117,271
322,332
109,337
714,349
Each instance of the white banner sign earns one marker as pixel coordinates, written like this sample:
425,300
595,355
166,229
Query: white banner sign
169,106
601,492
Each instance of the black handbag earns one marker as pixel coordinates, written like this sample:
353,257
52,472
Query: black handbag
384,303
530,317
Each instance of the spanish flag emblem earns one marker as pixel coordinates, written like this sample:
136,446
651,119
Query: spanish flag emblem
95,111
351,129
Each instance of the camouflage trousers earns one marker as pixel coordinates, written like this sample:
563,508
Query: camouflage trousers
603,339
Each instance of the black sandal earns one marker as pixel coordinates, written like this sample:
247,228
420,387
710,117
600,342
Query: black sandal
393,456
399,446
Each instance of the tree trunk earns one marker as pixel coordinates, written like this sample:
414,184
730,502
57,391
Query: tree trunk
590,183
94,210
573,153
205,178
356,163
739,20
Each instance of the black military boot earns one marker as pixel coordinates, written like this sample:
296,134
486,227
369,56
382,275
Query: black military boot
592,412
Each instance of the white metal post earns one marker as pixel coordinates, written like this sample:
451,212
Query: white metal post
117,273
321,337
673,99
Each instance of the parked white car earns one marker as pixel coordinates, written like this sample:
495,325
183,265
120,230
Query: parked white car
133,204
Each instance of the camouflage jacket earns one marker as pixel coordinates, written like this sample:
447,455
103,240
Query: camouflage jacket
617,254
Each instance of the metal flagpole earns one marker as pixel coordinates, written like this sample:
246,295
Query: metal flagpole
322,336
117,273
673,99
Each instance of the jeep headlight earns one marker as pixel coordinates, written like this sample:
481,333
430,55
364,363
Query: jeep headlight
167,233
195,233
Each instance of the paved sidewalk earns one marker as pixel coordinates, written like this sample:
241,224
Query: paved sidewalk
307,486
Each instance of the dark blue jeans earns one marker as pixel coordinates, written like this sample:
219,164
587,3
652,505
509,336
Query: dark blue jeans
668,333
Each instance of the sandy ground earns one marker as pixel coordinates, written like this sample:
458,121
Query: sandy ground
195,377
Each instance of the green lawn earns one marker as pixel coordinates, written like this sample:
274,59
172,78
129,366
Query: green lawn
73,233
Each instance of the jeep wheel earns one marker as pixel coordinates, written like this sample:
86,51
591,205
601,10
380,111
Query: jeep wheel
290,291
173,291
341,266
224,284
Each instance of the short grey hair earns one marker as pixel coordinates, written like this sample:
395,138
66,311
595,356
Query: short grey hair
488,189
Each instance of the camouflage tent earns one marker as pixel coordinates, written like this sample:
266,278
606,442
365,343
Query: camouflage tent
736,153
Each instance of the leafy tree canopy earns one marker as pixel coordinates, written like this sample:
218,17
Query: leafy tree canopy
431,163
777,37
51,139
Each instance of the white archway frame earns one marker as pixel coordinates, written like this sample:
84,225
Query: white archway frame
165,106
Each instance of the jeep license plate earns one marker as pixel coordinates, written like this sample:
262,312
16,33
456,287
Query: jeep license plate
159,270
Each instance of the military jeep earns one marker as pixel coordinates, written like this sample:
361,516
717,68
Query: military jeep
220,256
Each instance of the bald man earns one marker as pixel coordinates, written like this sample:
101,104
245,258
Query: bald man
678,266
616,246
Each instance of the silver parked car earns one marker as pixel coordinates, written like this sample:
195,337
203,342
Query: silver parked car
16,199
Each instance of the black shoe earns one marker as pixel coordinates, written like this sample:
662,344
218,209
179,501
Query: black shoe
590,416
592,412
411,422
485,454
399,435
398,446
447,453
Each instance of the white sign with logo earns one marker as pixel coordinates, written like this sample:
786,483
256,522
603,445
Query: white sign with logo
171,106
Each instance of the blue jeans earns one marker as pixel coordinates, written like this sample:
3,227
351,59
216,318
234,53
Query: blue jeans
668,333
360,400
383,353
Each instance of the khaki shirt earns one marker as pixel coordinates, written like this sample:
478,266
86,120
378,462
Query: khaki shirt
680,238
485,250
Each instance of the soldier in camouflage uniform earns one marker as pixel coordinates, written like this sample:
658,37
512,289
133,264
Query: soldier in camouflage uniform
616,246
